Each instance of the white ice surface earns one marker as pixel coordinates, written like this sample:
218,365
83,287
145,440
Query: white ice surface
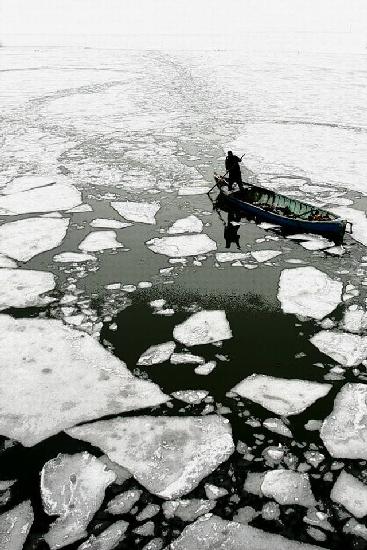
317,244
185,191
109,223
100,240
288,487
122,503
81,208
24,183
15,525
184,358
108,539
265,255
277,426
347,349
157,354
23,287
24,239
204,327
280,395
309,292
73,488
143,212
358,219
66,373
183,245
350,493
58,196
355,319
190,396
167,455
190,224
223,257
7,262
66,257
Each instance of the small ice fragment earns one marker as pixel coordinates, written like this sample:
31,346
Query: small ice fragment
143,212
265,255
100,240
313,425
192,397
182,245
317,244
190,224
68,257
15,525
288,487
128,288
270,511
157,354
186,358
157,304
347,349
204,327
24,288
108,539
336,250
123,502
113,286
206,368
148,512
222,257
58,196
213,492
265,225
79,209
352,527
145,284
355,319
185,191
254,482
109,224
350,493
277,426
7,262
187,510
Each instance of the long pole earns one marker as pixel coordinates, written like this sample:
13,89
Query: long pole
210,190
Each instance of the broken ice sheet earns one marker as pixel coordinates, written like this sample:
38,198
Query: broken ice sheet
288,487
190,224
73,488
347,349
58,196
309,292
182,245
24,239
350,493
100,240
265,255
68,257
157,354
15,525
24,288
282,396
167,455
143,212
24,183
67,372
204,327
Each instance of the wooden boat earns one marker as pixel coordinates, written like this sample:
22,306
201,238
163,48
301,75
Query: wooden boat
293,215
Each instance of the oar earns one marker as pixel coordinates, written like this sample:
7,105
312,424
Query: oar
210,190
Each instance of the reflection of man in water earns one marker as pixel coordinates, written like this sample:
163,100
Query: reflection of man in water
234,171
231,232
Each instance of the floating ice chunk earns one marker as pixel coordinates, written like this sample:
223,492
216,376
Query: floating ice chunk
81,208
185,191
157,354
73,488
206,368
113,286
222,257
108,539
123,502
58,196
288,487
24,183
7,262
265,225
145,284
110,224
355,319
352,527
24,239
187,510
309,292
23,288
303,237
66,372
191,224
167,455
317,244
66,257
347,349
210,531
358,219
204,327
186,358
157,304
184,245
15,526
51,215
282,396
277,426
265,255
100,240
143,212
336,250
193,397
350,493
344,431
213,492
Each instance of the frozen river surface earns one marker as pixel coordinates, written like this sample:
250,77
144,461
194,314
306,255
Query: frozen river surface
159,390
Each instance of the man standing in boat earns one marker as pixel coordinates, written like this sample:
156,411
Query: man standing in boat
234,170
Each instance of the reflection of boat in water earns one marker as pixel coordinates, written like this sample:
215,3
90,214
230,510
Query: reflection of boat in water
292,215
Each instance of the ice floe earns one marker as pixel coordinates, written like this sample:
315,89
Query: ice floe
191,224
204,327
58,196
24,239
15,525
183,245
68,257
7,262
355,319
347,349
265,255
350,493
185,358
213,492
157,354
67,372
223,257
73,488
24,183
167,455
206,368
187,510
122,503
277,426
280,395
185,191
358,219
24,288
100,240
190,396
317,244
309,292
108,539
344,431
288,487
143,212
109,224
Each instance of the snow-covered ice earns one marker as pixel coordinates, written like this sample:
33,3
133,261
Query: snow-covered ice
73,488
206,368
24,288
222,257
347,349
182,245
167,455
309,292
100,240
157,354
288,487
108,539
24,239
280,395
190,224
265,255
355,319
15,525
190,396
109,223
24,183
350,493
66,372
7,262
58,196
186,191
143,212
67,257
204,327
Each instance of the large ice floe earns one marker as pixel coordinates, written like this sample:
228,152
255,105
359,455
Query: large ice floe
15,526
157,354
100,240
350,493
210,531
24,183
344,431
309,292
280,395
58,196
182,245
47,366
24,287
24,239
204,327
347,349
288,487
191,224
143,212
167,455
73,488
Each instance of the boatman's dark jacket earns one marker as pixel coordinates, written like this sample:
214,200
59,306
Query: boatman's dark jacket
233,167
